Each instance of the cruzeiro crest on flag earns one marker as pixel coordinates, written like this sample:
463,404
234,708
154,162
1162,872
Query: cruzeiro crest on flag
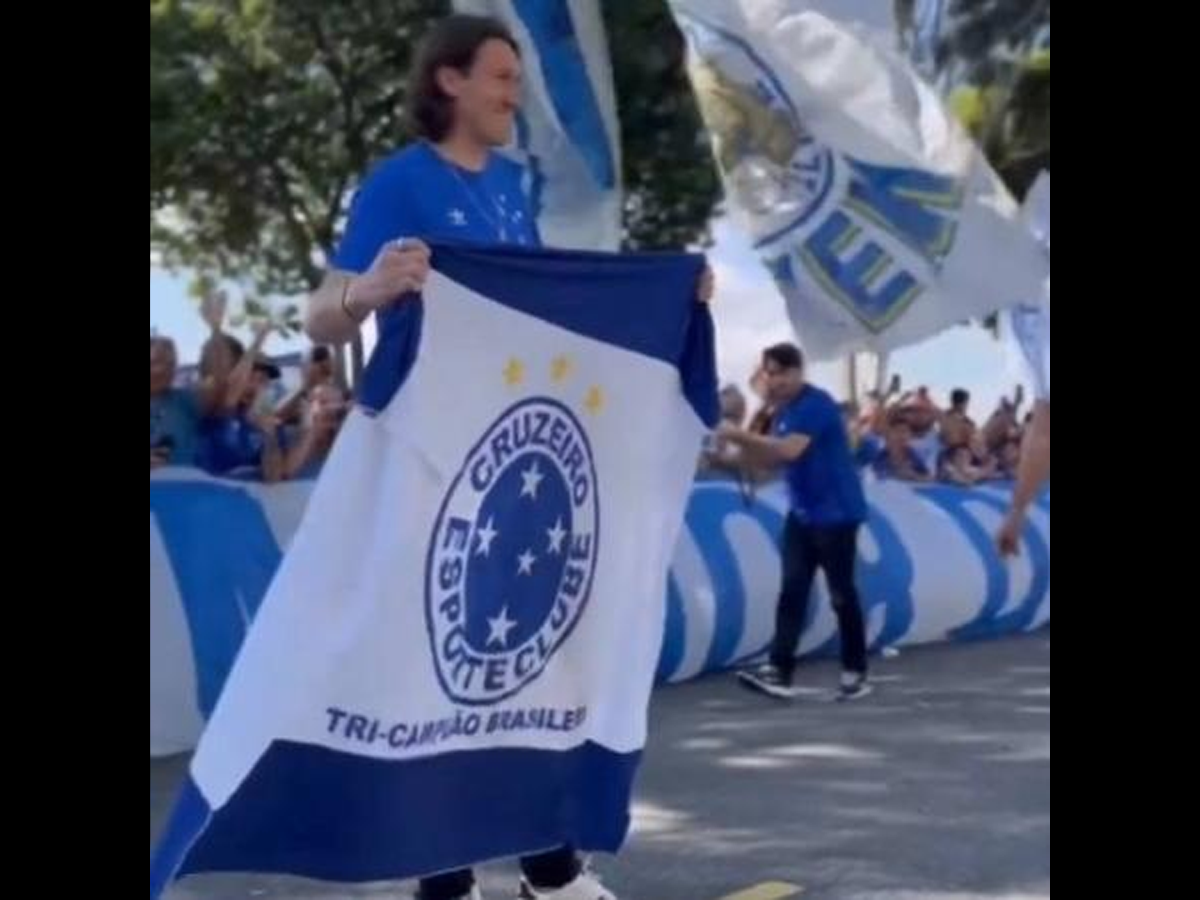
513,551
773,167
868,237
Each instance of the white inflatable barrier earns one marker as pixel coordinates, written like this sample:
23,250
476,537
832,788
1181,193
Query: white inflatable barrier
928,571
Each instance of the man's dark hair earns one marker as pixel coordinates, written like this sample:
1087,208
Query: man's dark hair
453,43
786,356
959,397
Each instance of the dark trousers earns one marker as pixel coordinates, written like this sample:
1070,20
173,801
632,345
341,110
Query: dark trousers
545,871
831,548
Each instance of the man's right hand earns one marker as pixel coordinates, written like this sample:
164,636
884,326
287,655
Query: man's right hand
399,268
1008,538
727,432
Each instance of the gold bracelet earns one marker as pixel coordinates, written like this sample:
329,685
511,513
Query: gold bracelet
346,306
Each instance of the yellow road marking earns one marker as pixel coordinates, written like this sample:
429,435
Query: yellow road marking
768,890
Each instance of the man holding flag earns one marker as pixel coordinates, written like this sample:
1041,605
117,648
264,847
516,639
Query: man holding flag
503,713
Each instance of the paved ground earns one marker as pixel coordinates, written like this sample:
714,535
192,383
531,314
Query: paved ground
937,787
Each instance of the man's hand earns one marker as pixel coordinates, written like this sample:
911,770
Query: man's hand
1008,538
726,429
399,268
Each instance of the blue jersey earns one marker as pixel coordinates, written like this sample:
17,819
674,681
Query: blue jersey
823,484
418,194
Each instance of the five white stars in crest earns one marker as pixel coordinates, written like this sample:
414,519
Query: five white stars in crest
531,477
525,563
486,535
556,535
499,627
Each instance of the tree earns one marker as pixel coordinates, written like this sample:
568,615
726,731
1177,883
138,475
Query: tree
671,184
261,113
264,112
991,60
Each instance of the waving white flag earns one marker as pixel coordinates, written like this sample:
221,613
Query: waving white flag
878,217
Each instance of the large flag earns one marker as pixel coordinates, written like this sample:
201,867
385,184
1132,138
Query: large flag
454,660
567,132
877,216
1026,327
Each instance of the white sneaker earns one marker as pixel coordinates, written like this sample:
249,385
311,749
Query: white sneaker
767,679
586,886
854,686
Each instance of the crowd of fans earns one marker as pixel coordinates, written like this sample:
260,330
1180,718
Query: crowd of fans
235,418
907,436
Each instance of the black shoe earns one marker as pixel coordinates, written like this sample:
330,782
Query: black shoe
854,686
767,679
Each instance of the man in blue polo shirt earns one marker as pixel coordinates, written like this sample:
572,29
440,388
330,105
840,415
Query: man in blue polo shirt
809,441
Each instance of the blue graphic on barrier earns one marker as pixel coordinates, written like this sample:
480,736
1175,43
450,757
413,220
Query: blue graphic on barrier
674,633
990,622
707,516
222,554
887,582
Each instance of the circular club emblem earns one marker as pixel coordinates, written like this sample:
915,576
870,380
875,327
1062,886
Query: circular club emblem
778,174
512,553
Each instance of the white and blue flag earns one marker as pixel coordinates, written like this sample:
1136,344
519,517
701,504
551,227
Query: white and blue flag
878,218
568,138
454,659
1027,326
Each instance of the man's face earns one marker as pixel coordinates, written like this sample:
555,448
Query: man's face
327,409
488,95
257,395
898,435
219,356
320,371
162,366
782,384
921,419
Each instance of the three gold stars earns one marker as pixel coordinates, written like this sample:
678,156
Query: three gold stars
562,367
